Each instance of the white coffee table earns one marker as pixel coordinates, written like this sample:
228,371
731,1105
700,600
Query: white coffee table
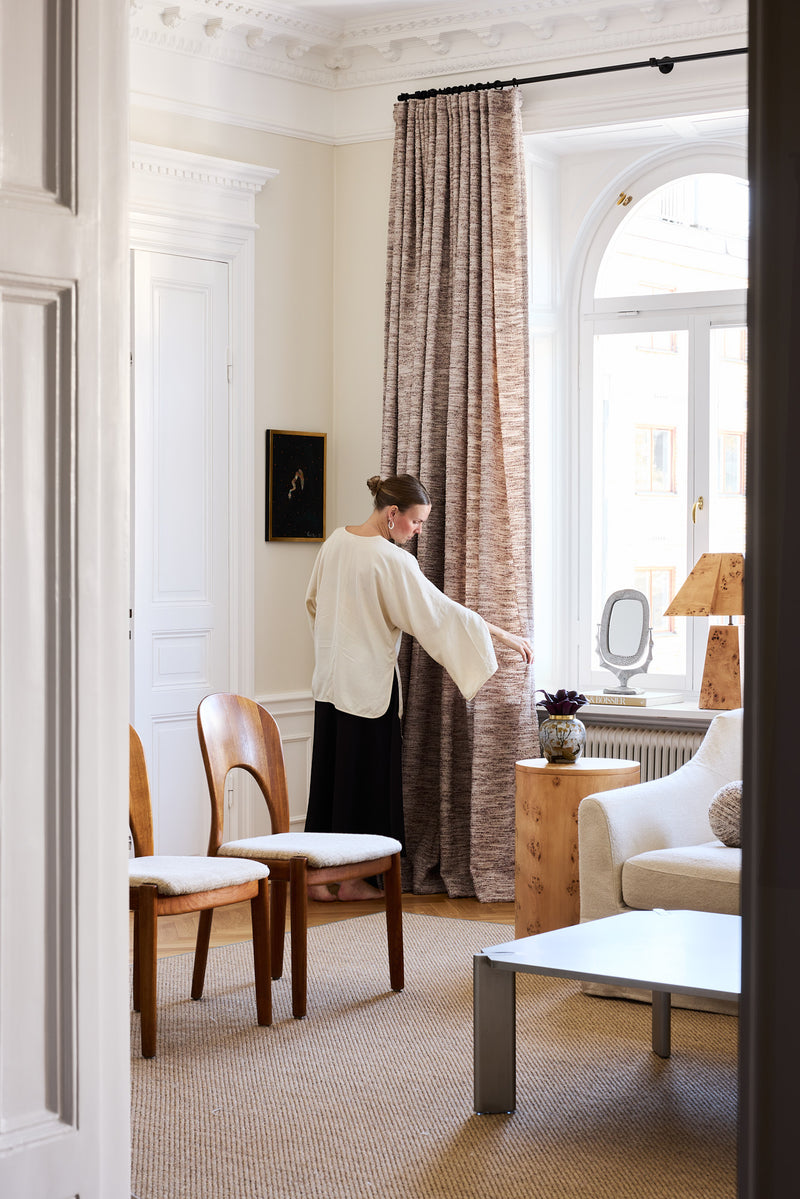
666,952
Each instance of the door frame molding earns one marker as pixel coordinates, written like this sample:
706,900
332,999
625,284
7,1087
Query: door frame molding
203,207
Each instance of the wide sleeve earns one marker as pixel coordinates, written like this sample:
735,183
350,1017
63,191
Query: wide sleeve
454,636
311,593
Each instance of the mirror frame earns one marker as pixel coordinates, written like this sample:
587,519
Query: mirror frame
605,626
625,665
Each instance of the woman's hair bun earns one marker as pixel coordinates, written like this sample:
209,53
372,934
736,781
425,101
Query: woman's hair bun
402,490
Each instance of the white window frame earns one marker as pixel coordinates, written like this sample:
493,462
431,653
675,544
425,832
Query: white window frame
698,313
566,620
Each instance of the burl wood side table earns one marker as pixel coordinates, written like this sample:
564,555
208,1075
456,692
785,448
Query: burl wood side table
546,857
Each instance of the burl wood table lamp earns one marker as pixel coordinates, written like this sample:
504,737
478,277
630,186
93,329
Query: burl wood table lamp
715,587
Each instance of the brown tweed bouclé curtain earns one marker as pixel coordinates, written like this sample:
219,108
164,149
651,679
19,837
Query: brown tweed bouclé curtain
456,414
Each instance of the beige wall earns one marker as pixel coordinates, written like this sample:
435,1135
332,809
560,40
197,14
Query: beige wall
363,175
293,352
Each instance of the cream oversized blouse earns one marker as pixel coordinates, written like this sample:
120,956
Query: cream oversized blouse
364,593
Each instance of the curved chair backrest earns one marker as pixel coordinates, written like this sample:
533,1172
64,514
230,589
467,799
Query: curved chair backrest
140,814
238,732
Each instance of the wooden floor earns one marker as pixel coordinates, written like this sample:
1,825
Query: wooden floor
176,934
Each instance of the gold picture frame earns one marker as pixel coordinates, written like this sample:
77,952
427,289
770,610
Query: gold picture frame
295,491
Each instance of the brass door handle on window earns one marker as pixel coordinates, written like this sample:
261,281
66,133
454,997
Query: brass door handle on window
697,505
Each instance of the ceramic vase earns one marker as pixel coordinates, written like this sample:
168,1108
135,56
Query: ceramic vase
562,738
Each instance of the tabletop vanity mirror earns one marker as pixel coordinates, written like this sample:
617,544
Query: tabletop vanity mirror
625,638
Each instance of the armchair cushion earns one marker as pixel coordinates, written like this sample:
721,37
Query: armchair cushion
704,878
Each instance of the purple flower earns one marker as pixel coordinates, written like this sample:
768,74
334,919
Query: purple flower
563,703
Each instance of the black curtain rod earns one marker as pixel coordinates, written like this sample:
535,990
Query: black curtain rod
664,65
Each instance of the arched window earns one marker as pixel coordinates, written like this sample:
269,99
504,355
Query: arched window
663,381
689,235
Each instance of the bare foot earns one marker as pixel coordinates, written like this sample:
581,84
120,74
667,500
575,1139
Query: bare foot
321,894
359,888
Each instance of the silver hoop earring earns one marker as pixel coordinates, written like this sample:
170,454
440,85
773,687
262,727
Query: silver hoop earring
391,525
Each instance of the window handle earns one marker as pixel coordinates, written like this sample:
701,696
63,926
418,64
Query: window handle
697,506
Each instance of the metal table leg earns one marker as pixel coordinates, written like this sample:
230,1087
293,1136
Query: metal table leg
495,1037
661,1023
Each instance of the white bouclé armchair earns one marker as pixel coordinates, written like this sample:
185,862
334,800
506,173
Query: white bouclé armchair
651,845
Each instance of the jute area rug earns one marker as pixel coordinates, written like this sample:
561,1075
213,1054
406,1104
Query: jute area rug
372,1093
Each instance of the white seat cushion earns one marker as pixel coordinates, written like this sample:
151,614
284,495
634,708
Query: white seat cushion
702,877
321,849
188,875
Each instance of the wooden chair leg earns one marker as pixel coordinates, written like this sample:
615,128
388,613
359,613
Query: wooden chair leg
201,952
298,901
277,890
394,923
259,913
137,1002
148,960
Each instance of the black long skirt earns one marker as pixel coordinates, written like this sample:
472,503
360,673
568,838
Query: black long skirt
356,772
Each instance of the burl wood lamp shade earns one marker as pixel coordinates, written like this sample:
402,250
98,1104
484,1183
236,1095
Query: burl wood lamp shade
715,587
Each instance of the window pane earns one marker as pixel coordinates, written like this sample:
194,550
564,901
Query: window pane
641,456
728,417
659,587
690,235
655,458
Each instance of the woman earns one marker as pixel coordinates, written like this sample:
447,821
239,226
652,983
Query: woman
365,591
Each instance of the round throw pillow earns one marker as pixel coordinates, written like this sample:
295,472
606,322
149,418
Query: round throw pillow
725,814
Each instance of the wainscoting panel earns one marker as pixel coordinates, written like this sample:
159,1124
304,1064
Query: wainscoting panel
37,104
294,714
38,983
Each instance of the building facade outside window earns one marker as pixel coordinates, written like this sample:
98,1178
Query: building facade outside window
655,459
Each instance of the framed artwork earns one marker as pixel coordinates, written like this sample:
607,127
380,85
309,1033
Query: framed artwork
295,507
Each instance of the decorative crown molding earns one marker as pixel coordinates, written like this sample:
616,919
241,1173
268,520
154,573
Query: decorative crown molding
303,43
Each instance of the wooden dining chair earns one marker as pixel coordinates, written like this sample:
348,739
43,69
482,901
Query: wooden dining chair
166,886
237,732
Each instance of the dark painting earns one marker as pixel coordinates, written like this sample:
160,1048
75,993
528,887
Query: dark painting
295,486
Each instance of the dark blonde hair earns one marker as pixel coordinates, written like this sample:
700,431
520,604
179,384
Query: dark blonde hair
403,490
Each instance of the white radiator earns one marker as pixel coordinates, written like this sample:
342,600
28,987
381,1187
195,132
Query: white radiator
659,751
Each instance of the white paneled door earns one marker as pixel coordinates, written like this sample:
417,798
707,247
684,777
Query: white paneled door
181,585
64,1053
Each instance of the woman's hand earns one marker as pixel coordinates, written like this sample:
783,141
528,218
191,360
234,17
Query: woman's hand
520,645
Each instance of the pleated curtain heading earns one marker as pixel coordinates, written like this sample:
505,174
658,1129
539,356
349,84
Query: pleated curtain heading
457,415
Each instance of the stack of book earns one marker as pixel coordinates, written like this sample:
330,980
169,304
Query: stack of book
644,699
